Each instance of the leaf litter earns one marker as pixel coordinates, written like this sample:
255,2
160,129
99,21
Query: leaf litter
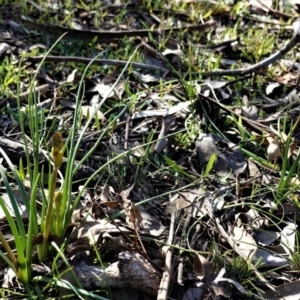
205,192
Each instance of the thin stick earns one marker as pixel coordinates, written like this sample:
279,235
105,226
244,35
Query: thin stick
110,62
266,62
168,270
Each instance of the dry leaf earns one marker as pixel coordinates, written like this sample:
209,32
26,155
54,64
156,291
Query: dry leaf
273,149
287,291
202,267
94,229
230,160
88,110
133,216
288,238
116,242
104,197
71,76
150,223
241,241
292,148
125,193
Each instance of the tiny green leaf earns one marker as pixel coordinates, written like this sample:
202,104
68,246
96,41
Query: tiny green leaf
210,164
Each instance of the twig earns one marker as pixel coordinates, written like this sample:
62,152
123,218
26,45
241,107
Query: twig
109,36
43,89
253,124
183,243
274,11
276,56
260,20
127,129
85,60
166,278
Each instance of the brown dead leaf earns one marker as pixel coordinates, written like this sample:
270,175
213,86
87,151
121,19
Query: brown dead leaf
252,168
94,229
105,89
202,267
288,238
71,76
133,216
288,291
162,140
288,78
76,217
241,241
112,204
271,87
125,193
294,181
113,76
230,160
104,197
292,148
115,242
224,289
150,223
273,149
85,109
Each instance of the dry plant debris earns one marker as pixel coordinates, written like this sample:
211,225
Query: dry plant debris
179,129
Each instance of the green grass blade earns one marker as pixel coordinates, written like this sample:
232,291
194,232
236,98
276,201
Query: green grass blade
33,224
210,164
177,168
66,285
21,228
8,261
18,238
18,180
